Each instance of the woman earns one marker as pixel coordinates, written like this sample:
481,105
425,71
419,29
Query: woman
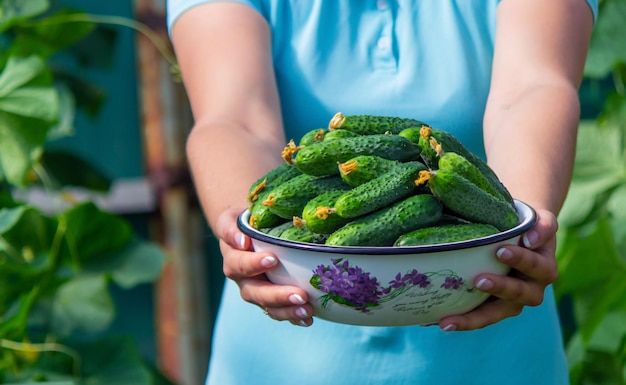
500,75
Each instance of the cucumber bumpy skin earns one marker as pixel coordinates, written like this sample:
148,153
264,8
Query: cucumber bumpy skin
383,227
321,159
319,216
279,174
467,200
457,163
302,234
316,135
371,124
364,168
449,143
260,215
433,235
392,186
289,198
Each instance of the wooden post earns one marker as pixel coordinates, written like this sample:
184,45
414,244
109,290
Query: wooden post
183,322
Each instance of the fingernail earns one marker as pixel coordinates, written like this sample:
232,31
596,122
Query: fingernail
241,240
449,328
296,299
302,313
530,238
484,284
504,254
302,323
268,261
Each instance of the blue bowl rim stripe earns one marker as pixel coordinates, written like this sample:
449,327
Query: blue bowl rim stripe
525,225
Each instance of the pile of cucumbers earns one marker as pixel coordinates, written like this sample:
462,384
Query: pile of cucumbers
380,181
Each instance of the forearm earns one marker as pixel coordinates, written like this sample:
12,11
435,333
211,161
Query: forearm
225,159
531,144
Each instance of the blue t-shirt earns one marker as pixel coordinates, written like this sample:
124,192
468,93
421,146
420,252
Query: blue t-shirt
424,59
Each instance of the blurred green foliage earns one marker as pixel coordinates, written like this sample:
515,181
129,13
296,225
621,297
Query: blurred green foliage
57,269
591,286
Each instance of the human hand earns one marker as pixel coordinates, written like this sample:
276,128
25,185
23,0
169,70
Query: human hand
534,268
247,268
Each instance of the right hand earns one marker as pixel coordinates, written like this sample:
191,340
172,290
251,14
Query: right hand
247,268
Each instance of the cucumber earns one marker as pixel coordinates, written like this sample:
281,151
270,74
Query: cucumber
277,230
445,234
274,177
321,159
289,198
449,143
467,200
364,168
339,134
371,124
383,227
260,215
392,186
459,164
313,136
302,234
319,215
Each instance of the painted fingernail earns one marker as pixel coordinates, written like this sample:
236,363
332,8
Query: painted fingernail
241,240
530,238
302,323
268,261
504,254
296,299
302,313
449,328
485,284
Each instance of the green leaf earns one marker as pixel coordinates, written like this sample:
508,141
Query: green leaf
617,202
138,263
32,102
587,258
607,48
92,232
9,217
82,305
607,335
21,144
593,306
14,325
13,11
18,72
49,35
67,111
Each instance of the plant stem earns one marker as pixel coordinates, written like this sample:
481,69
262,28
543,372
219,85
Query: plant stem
119,21
28,347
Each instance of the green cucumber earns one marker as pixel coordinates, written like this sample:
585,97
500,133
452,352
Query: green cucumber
457,163
260,215
319,215
321,159
313,136
277,230
383,227
392,186
274,177
289,198
445,234
339,134
303,234
449,143
467,200
371,124
364,168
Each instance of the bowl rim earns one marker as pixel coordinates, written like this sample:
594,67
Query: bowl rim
525,225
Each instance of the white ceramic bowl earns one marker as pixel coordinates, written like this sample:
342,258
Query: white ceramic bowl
388,286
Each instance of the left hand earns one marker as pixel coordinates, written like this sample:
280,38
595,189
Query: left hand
534,268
